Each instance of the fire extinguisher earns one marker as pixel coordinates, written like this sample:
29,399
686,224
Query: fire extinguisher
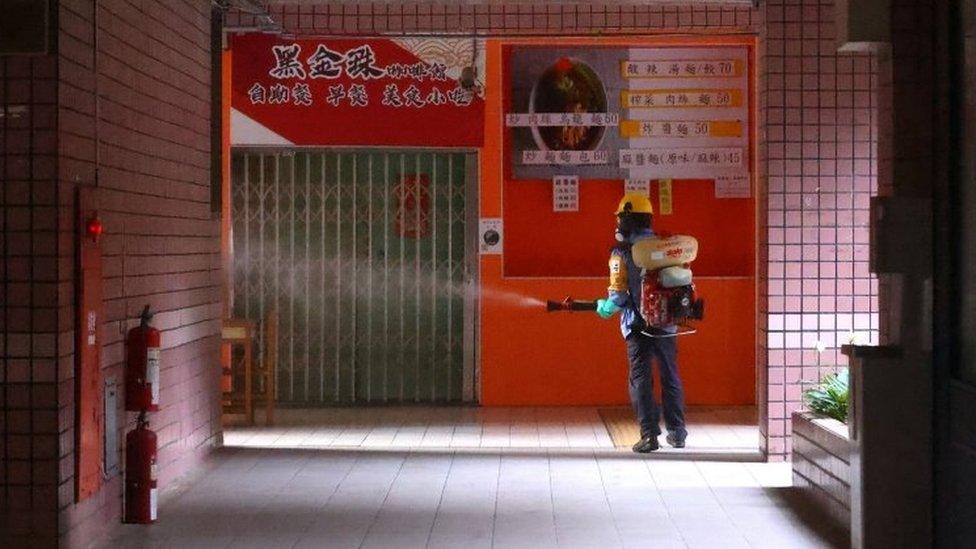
142,369
140,474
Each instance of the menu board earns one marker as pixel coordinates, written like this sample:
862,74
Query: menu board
633,113
565,193
637,185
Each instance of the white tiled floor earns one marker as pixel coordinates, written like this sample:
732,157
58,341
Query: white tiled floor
711,430
312,498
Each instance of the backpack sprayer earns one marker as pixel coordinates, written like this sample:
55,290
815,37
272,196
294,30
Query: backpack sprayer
668,296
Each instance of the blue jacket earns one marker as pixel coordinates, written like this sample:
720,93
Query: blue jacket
625,284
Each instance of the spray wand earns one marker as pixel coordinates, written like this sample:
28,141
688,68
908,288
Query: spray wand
570,304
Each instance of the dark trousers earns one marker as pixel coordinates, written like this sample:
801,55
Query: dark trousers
641,350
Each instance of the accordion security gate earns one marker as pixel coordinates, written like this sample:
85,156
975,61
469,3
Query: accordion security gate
362,256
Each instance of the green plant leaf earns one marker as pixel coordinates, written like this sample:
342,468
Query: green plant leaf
830,397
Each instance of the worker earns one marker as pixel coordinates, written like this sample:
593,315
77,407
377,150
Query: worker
634,223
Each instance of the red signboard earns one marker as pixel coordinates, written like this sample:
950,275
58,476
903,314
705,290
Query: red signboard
373,92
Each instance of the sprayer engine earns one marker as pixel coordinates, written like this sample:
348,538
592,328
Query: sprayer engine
668,298
668,295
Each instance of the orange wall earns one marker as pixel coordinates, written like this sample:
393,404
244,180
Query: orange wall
530,357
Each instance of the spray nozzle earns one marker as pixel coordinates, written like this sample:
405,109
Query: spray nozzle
145,316
570,304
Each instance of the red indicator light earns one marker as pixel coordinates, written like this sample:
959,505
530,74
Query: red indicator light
94,228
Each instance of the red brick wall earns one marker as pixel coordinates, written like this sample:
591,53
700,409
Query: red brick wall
161,243
28,301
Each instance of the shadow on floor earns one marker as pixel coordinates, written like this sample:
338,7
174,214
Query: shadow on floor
811,516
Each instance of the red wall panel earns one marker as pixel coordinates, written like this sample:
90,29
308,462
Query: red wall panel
540,242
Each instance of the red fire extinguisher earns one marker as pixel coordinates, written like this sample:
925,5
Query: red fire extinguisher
140,474
142,369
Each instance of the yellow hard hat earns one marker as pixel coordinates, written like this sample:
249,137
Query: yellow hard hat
635,203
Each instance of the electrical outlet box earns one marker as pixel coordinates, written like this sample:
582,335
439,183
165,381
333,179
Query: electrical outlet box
901,229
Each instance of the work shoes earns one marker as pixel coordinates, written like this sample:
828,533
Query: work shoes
675,441
646,444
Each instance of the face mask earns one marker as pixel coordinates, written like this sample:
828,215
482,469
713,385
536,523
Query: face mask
623,228
628,224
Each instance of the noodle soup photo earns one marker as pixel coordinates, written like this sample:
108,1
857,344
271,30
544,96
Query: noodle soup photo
568,86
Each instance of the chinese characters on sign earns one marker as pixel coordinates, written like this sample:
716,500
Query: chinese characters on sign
359,63
279,94
678,128
565,158
665,197
287,64
710,68
301,95
640,186
325,63
92,327
644,99
733,186
720,157
629,111
687,116
417,71
681,128
565,193
528,120
354,91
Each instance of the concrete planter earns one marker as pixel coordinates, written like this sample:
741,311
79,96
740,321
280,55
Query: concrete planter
821,464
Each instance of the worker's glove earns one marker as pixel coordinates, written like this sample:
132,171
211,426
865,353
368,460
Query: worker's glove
606,308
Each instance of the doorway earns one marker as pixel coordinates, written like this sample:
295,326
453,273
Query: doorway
364,257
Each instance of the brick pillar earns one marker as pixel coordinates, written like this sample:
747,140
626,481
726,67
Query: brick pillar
29,343
821,161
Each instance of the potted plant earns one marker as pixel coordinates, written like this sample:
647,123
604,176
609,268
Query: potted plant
830,397
822,447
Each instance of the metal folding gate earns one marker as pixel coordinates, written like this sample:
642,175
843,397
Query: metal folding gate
363,256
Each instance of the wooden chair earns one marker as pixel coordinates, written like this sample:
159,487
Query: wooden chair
243,332
238,331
